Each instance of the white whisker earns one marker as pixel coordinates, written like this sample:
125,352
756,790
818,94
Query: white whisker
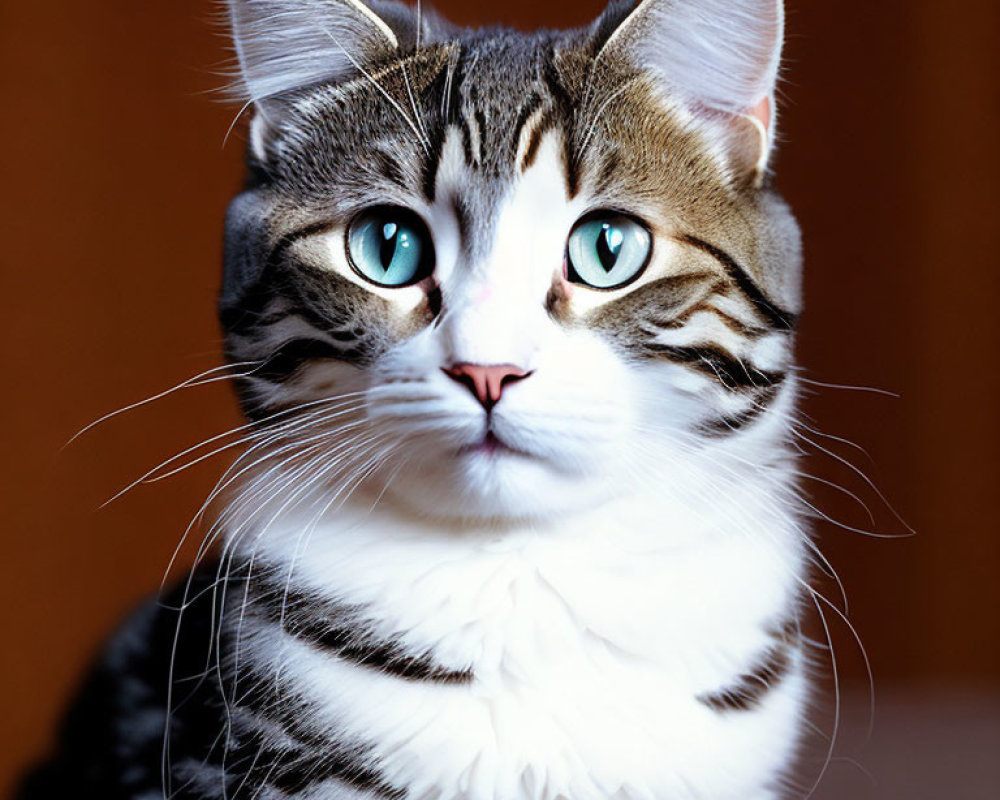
202,379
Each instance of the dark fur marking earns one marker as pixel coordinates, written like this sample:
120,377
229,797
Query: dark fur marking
609,22
296,769
434,301
389,167
531,151
658,302
749,690
346,336
777,317
326,302
344,632
735,325
557,304
251,310
564,108
606,176
454,77
365,650
293,355
463,216
731,372
463,127
432,164
533,104
482,127
736,422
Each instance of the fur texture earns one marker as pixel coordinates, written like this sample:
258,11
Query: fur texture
587,588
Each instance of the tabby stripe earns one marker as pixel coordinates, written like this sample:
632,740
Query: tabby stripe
304,755
277,254
466,132
314,320
274,698
453,80
283,363
777,317
750,689
535,141
731,322
564,110
608,174
733,373
253,763
365,650
390,168
433,163
449,88
255,299
251,312
482,127
734,423
343,632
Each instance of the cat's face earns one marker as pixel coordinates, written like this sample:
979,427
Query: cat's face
508,275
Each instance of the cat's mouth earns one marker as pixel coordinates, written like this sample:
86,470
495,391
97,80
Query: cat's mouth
492,446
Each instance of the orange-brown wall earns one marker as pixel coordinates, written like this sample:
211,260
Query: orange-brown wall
115,174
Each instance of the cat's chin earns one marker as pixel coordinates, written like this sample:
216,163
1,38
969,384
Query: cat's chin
493,481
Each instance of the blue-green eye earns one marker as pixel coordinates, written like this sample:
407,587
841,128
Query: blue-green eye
390,247
607,251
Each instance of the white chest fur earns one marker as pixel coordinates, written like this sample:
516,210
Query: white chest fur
591,641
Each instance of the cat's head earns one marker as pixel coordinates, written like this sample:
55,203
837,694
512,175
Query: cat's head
504,274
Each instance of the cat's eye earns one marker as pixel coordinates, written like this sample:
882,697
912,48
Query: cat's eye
607,250
390,247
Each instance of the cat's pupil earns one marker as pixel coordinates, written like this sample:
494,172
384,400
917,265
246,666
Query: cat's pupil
390,242
609,246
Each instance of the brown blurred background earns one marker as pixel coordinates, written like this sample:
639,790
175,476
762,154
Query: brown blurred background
115,175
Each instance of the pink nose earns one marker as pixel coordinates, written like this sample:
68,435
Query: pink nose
486,383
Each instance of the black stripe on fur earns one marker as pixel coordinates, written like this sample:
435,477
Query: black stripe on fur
777,317
731,372
344,632
733,423
750,689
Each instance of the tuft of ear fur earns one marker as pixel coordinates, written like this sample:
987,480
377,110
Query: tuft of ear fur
719,56
283,45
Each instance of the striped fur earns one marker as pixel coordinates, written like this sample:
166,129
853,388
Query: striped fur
588,589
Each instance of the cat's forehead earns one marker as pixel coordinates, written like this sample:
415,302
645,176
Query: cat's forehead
386,136
487,86
499,82
506,103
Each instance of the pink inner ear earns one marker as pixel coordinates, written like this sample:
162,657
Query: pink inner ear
762,112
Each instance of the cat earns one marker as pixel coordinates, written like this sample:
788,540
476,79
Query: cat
512,316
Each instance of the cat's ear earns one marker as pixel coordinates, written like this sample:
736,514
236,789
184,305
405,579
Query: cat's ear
719,56
284,45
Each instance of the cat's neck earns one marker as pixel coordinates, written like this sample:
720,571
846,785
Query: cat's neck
663,515
671,585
